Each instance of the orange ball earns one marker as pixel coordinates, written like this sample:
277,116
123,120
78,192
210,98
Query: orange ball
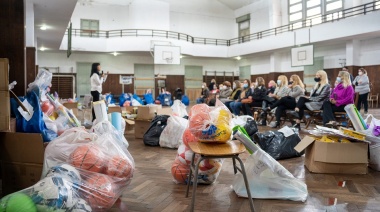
119,167
88,157
199,108
188,137
99,191
180,171
198,122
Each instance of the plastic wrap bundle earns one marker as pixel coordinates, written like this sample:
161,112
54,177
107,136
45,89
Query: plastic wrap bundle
42,81
210,125
208,172
267,178
171,136
355,117
277,145
98,164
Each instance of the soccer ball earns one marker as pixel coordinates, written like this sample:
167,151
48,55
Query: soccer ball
55,193
65,171
185,155
81,206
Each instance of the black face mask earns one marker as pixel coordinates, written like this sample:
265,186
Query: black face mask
289,83
317,79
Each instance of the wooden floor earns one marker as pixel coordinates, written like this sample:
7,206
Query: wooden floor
153,189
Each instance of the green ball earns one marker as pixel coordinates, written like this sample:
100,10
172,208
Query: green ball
17,202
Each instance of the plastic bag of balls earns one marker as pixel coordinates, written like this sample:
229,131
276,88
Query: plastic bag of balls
210,124
103,162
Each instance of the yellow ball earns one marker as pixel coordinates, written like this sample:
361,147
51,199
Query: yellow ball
223,133
224,117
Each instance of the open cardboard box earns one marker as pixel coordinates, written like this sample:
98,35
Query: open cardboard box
141,126
338,158
22,156
147,112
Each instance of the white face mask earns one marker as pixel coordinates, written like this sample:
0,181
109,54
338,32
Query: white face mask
224,87
360,73
203,86
234,86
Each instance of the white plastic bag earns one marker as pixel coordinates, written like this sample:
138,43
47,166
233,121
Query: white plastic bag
267,178
171,136
179,109
240,120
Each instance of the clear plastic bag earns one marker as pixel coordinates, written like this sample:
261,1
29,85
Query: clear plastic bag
267,178
179,109
171,136
42,81
101,158
210,124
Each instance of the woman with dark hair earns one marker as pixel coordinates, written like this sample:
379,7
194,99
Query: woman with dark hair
236,105
255,99
96,79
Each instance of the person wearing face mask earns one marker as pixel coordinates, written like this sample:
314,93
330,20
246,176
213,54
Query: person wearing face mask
255,99
237,88
297,89
361,83
342,95
271,87
225,92
318,95
204,94
236,106
281,90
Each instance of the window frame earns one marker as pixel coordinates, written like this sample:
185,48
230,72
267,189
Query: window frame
90,33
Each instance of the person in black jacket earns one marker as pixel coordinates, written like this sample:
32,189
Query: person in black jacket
257,96
211,85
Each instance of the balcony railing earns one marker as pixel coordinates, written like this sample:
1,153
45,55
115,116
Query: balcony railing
311,21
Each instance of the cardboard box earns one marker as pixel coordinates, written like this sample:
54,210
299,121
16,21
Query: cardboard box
141,126
337,158
165,111
4,74
72,106
5,111
114,109
129,109
13,125
147,112
129,126
22,156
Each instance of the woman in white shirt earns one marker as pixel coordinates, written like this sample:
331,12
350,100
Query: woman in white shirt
97,79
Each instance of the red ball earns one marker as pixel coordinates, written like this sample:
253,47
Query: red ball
180,171
199,122
99,191
188,137
88,157
47,108
119,167
199,108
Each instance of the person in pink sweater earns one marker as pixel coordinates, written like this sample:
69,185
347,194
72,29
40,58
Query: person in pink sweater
342,95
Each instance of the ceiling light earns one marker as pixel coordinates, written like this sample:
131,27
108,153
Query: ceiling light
180,56
42,48
115,54
43,27
238,58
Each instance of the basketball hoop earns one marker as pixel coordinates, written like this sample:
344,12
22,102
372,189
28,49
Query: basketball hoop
169,60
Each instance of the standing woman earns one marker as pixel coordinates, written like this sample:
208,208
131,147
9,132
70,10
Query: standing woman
97,79
361,83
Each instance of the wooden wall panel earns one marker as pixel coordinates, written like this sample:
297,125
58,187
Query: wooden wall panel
173,82
12,41
193,93
113,86
30,64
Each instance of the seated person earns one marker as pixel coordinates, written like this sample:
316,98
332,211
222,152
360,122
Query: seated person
236,105
318,95
342,95
234,95
297,89
225,92
255,99
271,87
280,91
204,94
215,90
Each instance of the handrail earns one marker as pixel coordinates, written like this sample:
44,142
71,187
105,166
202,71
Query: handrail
312,21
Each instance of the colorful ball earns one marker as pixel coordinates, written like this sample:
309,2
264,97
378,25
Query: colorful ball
180,171
199,122
120,167
188,137
99,191
199,108
185,155
65,171
47,108
223,133
88,157
210,166
54,193
224,117
81,206
17,202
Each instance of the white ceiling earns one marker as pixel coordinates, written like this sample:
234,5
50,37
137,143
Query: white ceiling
55,14
236,4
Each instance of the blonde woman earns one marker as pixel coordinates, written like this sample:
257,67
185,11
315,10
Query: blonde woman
204,94
281,90
342,95
234,95
318,95
297,89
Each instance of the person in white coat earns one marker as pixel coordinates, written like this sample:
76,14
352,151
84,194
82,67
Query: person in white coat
97,79
361,83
